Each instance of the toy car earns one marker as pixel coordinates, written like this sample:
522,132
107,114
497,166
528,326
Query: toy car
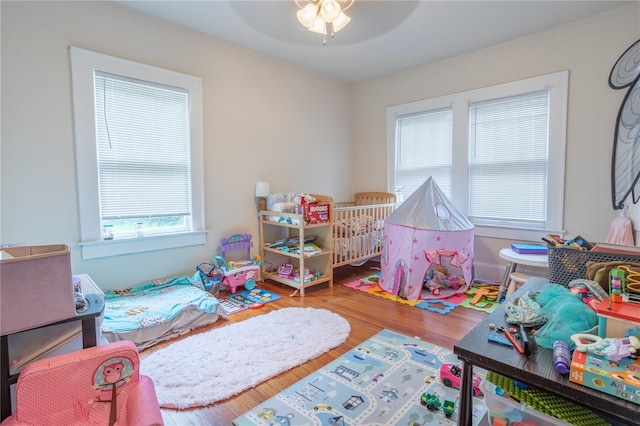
322,407
451,376
431,401
448,407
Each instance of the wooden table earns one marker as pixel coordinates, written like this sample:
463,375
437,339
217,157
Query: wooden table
537,370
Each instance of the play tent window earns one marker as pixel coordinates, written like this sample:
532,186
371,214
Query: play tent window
441,211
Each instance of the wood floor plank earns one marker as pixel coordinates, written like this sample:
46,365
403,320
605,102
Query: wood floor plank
367,315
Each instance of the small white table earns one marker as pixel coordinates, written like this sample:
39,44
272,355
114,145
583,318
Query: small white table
514,259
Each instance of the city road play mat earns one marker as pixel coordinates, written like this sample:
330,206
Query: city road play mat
378,382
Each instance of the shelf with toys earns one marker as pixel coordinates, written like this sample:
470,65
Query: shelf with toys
294,251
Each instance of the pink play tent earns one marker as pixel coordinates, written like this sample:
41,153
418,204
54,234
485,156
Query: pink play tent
425,232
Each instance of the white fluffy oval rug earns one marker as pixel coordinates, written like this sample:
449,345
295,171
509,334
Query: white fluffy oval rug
208,367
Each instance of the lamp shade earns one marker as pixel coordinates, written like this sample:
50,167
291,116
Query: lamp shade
319,26
307,15
262,189
330,10
340,22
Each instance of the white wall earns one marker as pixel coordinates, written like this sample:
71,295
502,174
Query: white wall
587,48
259,125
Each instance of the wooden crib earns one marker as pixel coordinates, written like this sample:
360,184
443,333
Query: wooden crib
358,227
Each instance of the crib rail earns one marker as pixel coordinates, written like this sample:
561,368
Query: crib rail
358,231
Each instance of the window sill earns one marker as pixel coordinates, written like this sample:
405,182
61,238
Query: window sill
107,248
512,233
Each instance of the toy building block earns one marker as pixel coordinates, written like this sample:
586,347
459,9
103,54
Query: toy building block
616,285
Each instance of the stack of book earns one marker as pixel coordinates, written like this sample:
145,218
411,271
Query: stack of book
529,248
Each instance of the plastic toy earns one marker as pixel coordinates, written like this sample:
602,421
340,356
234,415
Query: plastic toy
448,407
487,293
432,402
500,340
212,277
585,341
236,242
621,348
616,285
237,274
451,376
613,349
308,276
562,356
285,270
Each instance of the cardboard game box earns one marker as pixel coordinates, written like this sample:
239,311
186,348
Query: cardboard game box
620,379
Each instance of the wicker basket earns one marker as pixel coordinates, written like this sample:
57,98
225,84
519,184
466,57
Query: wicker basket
567,264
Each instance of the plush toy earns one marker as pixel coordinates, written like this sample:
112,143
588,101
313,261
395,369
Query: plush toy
303,199
436,281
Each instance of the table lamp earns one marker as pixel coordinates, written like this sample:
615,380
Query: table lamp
262,190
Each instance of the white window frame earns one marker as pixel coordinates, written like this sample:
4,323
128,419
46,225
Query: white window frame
83,64
557,84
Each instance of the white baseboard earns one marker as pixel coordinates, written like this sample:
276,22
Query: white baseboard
493,272
488,271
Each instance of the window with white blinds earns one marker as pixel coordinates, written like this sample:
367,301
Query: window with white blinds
423,149
143,148
139,144
508,160
497,153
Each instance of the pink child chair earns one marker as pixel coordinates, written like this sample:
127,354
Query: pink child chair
94,386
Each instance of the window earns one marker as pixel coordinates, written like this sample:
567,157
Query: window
497,153
423,149
139,149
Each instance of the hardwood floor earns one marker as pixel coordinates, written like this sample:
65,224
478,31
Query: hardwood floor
367,315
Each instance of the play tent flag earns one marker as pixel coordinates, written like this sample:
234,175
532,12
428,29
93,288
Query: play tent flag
424,232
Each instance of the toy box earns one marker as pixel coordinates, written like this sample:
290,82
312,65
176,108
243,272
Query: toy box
316,213
616,318
36,287
501,407
620,379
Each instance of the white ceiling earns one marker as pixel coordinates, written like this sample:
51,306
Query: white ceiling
383,37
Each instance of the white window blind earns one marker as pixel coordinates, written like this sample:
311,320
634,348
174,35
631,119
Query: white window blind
143,148
139,143
508,160
423,149
497,152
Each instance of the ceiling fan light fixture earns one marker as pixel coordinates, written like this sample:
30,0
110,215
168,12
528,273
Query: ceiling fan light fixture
307,15
316,14
319,26
340,22
330,10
